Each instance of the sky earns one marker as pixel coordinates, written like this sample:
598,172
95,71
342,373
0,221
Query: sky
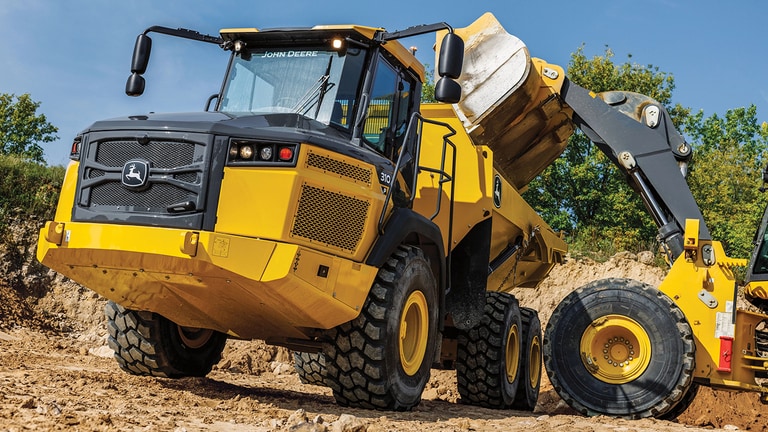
73,56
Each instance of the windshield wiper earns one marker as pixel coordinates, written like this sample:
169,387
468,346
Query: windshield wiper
314,96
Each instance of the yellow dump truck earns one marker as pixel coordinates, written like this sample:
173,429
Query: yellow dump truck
317,204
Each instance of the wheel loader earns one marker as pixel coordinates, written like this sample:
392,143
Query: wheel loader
316,204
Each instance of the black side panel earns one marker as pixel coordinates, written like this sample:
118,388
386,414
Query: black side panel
469,276
171,191
407,226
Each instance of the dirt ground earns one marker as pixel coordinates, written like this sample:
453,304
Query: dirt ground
56,373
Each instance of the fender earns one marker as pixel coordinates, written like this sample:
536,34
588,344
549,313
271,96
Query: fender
409,227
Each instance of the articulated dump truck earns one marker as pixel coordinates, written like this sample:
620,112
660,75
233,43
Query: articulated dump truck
318,205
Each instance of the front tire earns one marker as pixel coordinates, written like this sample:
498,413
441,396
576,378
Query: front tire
382,358
619,347
146,343
488,359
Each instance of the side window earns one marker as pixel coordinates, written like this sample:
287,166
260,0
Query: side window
382,101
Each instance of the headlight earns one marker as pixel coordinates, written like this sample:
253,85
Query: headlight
260,153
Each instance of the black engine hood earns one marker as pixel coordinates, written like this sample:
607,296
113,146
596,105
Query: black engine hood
276,126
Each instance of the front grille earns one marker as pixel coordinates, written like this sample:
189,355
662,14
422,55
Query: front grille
341,168
178,166
156,198
162,154
330,218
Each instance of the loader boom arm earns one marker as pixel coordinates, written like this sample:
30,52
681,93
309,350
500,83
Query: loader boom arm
637,134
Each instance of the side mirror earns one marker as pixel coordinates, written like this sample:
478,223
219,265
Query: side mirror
135,85
141,54
139,62
447,91
451,56
449,68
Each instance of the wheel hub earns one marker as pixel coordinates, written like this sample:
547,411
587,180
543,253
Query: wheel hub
512,353
615,349
414,331
194,337
534,362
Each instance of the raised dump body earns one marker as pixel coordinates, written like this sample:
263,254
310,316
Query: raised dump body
481,188
509,101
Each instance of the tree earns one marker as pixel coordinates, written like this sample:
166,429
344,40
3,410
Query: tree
22,129
428,86
725,173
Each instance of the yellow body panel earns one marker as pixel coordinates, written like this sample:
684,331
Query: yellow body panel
707,297
294,205
246,287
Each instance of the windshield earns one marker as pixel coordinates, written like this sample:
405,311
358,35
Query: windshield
316,83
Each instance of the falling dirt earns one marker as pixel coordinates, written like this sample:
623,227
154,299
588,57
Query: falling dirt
56,372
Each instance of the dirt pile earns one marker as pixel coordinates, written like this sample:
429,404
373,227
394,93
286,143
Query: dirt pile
57,372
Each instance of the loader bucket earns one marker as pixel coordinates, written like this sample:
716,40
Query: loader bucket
510,102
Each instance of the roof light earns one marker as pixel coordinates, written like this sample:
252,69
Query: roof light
337,43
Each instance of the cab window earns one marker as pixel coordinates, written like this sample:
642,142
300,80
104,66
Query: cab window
391,103
380,107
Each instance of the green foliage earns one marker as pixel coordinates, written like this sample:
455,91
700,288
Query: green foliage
585,194
428,86
725,174
22,129
28,187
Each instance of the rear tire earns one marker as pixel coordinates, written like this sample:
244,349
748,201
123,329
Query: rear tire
310,367
619,347
146,343
488,360
382,358
531,363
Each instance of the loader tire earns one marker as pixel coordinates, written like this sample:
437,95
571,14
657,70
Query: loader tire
382,358
310,367
488,359
146,343
531,363
683,405
621,348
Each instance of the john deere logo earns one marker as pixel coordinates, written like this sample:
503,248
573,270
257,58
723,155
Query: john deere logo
497,191
135,173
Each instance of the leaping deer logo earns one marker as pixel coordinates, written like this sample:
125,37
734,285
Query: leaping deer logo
132,173
135,174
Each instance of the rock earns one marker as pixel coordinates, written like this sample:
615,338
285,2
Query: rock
646,257
299,416
348,423
28,404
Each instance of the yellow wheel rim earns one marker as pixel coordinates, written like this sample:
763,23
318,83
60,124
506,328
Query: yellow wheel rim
615,349
194,337
414,332
513,353
534,362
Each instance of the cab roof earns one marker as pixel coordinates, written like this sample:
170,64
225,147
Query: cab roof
320,33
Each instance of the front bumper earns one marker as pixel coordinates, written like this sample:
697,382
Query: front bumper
245,287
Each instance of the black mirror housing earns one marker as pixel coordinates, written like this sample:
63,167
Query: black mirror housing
135,85
451,56
447,91
141,53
